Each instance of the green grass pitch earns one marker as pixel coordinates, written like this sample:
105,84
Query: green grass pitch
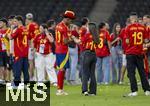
110,95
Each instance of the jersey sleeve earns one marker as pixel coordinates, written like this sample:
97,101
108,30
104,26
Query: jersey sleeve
146,35
121,34
108,36
15,33
35,41
82,31
111,37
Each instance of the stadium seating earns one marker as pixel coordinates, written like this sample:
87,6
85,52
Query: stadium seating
45,9
124,7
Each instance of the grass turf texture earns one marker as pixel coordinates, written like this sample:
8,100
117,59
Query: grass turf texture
110,95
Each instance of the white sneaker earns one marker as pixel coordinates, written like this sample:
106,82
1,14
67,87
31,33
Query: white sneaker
147,93
120,83
61,92
132,94
106,83
55,84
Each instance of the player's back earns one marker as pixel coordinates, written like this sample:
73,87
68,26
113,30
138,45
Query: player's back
61,32
135,35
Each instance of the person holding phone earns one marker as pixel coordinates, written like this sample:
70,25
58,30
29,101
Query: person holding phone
44,59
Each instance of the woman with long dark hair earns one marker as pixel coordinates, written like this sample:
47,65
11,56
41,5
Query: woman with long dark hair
116,54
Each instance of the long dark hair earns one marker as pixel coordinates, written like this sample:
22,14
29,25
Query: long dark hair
114,30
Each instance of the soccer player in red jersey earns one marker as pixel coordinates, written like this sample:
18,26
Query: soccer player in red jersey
20,36
135,38
62,38
103,55
33,30
146,22
3,50
44,59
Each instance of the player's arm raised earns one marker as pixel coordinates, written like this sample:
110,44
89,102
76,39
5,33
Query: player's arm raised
13,32
49,36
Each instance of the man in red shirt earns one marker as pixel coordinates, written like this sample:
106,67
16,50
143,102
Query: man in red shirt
3,50
62,39
20,36
33,30
135,37
103,55
146,22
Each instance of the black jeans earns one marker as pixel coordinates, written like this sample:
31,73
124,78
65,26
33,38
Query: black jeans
133,62
21,65
88,73
81,58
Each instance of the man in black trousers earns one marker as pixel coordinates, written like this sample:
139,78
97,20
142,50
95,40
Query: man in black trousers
136,36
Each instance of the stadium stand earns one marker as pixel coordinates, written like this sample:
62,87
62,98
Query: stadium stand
124,7
45,9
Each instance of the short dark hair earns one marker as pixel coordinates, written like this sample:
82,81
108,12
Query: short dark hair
101,25
44,26
133,14
19,18
4,20
50,22
84,20
147,16
11,17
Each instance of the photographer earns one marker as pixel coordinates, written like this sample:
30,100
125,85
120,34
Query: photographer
44,57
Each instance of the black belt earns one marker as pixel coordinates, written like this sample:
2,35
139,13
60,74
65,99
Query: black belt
87,50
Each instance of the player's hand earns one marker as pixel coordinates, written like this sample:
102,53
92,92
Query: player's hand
12,27
46,30
50,37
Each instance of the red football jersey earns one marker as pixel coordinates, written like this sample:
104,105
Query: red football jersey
20,37
42,44
2,43
102,48
62,32
33,29
87,40
113,37
122,37
82,32
135,34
